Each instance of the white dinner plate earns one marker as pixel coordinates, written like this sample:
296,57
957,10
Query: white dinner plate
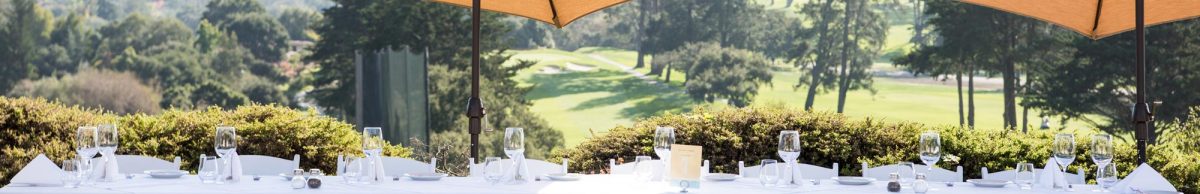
1158,192
992,183
564,176
719,177
853,180
425,176
165,174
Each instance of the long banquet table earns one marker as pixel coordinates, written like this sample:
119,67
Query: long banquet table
469,185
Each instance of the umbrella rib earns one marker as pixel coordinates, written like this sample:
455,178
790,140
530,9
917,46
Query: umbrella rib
554,11
1096,21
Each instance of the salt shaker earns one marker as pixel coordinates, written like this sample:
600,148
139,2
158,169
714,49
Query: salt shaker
920,186
298,181
894,183
314,181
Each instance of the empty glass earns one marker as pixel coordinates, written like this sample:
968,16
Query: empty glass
931,149
86,149
207,170
1025,175
225,144
372,141
907,172
1064,154
353,169
663,138
71,173
643,170
1106,177
789,151
1102,149
514,147
493,170
107,140
768,172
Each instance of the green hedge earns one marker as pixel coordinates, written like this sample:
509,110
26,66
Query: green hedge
750,134
32,126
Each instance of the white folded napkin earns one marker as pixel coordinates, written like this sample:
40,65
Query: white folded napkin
38,172
380,175
522,169
1143,178
1051,174
233,173
105,168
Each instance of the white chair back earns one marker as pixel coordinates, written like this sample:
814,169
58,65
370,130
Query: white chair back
536,167
1072,178
938,174
806,171
627,168
137,164
268,165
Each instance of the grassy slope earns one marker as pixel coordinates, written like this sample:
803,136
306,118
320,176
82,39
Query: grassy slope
576,102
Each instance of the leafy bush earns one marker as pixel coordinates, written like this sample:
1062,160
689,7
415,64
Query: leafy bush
750,134
33,126
120,92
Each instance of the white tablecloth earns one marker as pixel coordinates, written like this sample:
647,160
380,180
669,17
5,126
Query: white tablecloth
465,185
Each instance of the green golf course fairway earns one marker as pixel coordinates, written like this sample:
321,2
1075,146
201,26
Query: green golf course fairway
581,102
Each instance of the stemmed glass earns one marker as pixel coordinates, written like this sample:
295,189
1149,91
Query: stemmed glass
931,149
493,171
789,151
106,139
86,148
663,138
1106,176
1025,175
768,172
372,145
1064,154
1102,150
225,144
514,147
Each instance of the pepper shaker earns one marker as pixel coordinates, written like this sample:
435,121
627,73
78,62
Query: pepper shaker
298,179
920,186
314,180
894,183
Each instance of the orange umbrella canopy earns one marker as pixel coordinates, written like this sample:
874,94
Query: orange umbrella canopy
1096,18
554,12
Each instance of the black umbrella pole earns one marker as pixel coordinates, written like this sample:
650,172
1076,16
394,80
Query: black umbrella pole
1141,111
475,105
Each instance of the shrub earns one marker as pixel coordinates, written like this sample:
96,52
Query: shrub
120,92
33,126
750,134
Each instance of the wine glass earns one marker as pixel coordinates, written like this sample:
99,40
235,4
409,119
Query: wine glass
71,173
768,172
372,143
86,148
107,140
1064,153
1102,150
1106,177
514,147
207,170
493,170
643,170
225,144
789,151
931,149
1025,175
663,138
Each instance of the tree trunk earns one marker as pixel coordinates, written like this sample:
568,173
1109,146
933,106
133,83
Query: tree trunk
1025,120
844,76
819,64
667,68
958,78
1010,85
971,95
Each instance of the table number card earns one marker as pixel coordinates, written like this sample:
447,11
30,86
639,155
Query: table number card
685,166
